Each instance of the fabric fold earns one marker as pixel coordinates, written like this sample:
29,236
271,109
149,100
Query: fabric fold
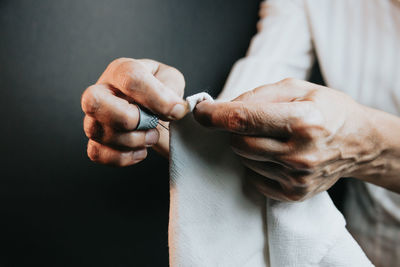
217,219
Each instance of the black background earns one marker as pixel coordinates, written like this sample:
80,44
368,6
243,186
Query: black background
56,207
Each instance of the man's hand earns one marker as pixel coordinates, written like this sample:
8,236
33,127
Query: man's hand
297,138
112,115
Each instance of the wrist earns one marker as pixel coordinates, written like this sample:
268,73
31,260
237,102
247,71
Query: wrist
370,144
378,135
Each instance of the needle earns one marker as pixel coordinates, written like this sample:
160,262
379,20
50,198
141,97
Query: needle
159,123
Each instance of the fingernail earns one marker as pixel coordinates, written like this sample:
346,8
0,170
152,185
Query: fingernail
151,137
178,111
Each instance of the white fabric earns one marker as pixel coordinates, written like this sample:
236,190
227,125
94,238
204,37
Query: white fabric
193,100
213,222
218,220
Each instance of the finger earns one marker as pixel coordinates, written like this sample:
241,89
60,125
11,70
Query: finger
267,187
287,90
270,170
100,102
137,79
272,119
107,155
258,148
125,140
280,172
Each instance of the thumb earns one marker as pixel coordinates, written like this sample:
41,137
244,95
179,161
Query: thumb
248,118
221,115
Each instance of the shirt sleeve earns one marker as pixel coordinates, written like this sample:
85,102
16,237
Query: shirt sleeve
281,48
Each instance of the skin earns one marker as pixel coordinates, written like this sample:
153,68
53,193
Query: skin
299,138
295,137
111,115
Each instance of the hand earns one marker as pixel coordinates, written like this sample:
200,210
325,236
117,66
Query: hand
297,138
112,117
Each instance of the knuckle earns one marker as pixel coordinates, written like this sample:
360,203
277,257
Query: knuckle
117,62
246,146
237,120
124,159
124,80
129,74
90,100
296,197
289,81
301,162
295,194
130,158
252,93
93,129
315,132
141,155
309,123
131,119
302,181
136,139
93,151
302,184
308,162
247,96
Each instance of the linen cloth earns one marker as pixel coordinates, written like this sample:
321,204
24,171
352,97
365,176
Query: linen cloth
216,220
357,46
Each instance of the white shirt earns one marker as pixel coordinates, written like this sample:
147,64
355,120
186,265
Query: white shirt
357,45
